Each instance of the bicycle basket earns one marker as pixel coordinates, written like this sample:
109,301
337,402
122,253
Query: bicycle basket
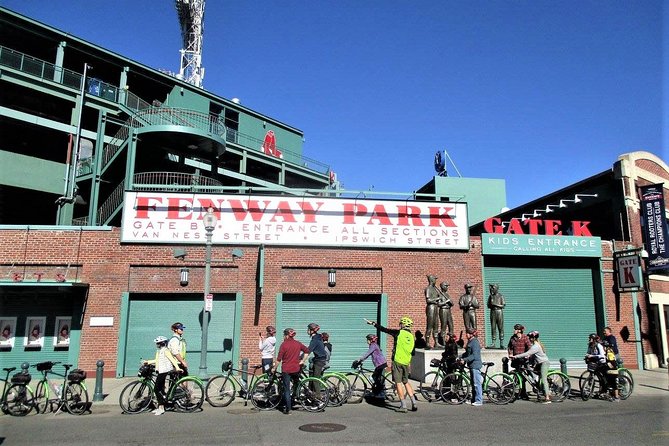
21,378
42,366
146,370
435,362
76,376
226,366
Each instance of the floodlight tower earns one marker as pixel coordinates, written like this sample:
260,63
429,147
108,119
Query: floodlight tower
191,19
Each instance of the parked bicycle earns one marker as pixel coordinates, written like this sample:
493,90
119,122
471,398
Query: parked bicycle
456,387
222,389
17,398
311,393
71,395
362,383
594,384
430,386
559,385
184,394
338,385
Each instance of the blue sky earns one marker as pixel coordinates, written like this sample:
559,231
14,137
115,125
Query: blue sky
540,93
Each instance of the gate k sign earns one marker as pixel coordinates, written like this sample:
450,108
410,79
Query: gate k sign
629,271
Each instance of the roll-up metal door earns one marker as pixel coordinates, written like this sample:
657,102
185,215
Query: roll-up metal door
152,315
342,317
559,303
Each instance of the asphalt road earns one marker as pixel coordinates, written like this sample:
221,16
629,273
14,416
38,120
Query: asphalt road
641,420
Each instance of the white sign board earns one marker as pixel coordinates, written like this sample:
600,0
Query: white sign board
209,302
629,271
150,217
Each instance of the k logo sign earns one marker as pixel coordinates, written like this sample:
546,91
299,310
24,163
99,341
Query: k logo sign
629,271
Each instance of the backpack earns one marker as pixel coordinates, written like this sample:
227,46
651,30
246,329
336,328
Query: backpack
610,357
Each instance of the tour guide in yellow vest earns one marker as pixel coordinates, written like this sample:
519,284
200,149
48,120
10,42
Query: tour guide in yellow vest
403,350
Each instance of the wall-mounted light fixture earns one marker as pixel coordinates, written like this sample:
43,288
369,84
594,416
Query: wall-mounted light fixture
577,198
526,217
183,278
332,277
549,207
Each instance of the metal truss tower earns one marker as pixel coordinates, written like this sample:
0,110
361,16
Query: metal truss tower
191,19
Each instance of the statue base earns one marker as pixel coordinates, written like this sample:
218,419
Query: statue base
420,362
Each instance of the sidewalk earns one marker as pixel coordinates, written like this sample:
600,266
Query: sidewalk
646,382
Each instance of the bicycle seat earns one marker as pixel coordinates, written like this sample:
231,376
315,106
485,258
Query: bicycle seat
9,369
256,367
489,364
67,366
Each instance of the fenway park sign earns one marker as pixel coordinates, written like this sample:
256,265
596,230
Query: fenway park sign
302,221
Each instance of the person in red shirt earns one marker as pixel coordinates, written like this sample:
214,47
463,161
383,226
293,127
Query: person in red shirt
518,344
291,364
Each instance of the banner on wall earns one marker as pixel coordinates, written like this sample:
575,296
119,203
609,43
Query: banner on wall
300,221
654,223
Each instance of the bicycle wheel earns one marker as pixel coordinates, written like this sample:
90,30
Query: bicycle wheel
429,387
589,383
346,383
454,388
500,388
75,398
220,391
19,400
558,386
312,394
337,388
187,395
358,388
266,393
625,386
628,374
136,397
41,400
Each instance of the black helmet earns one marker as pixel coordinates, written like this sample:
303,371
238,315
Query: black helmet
533,334
593,337
519,327
372,337
289,332
313,327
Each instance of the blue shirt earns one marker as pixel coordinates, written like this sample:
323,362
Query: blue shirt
317,347
472,355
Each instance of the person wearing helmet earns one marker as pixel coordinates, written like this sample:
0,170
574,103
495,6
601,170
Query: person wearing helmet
403,350
380,364
596,361
165,362
472,356
328,348
317,347
267,347
450,354
537,352
177,345
519,343
289,357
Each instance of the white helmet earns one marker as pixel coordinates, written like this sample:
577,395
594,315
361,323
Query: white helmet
160,340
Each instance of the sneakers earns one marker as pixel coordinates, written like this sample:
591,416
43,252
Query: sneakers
414,407
615,400
477,404
159,411
402,409
547,402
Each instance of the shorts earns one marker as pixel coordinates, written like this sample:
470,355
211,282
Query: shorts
400,373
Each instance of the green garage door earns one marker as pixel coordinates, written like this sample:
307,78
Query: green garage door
151,315
559,303
339,316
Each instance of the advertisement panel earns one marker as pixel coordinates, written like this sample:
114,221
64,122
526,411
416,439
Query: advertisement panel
541,245
158,217
655,226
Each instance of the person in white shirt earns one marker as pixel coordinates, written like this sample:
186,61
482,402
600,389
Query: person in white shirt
267,346
165,362
540,359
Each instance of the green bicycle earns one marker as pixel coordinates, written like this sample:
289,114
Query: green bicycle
185,394
498,387
71,395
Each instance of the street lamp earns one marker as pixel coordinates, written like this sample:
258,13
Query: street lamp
209,222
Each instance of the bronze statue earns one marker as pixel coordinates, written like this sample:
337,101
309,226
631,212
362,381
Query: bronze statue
431,310
445,304
468,305
496,305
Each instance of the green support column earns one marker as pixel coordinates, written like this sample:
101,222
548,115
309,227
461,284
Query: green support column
60,56
97,166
